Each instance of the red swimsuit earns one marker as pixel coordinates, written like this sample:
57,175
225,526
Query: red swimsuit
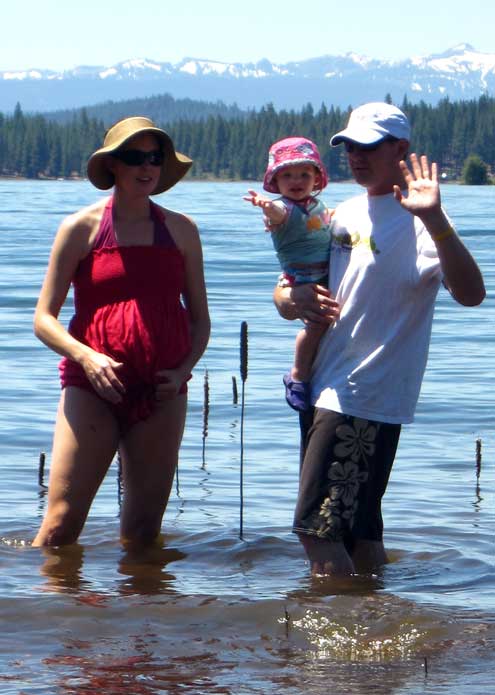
128,306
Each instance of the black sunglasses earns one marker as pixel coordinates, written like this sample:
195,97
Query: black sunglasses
135,158
351,147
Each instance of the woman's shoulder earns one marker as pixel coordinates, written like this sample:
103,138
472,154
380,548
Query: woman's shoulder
87,216
182,228
79,229
178,221
84,218
174,215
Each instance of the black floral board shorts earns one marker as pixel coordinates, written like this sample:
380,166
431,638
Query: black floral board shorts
346,464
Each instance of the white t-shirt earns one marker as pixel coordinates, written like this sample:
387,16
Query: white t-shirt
385,274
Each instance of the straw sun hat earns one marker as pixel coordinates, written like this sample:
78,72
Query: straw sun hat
174,167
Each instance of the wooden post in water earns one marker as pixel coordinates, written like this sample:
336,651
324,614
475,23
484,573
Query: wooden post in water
478,457
287,622
206,411
478,468
119,481
177,490
244,372
41,469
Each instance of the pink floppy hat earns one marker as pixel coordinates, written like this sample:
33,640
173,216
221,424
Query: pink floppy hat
288,152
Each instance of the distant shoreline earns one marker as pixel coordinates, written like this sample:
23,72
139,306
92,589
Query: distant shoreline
207,179
14,177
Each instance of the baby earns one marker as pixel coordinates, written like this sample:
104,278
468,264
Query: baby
300,230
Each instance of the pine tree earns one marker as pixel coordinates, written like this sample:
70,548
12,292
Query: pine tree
475,171
236,147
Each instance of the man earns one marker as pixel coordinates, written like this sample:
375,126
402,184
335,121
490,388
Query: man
391,249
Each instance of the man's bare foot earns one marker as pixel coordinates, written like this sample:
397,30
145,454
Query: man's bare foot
368,556
326,557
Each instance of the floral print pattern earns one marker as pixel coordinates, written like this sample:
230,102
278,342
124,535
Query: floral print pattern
357,439
346,473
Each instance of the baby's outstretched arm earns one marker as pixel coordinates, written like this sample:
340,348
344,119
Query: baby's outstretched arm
274,210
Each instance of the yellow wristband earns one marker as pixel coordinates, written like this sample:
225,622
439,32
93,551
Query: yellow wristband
443,235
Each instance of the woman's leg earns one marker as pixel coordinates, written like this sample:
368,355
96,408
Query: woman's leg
85,441
149,454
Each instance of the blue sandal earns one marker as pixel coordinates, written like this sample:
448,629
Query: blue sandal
297,393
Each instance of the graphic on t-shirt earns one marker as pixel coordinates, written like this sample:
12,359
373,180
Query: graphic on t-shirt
351,241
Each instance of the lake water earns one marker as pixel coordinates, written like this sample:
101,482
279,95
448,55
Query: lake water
207,611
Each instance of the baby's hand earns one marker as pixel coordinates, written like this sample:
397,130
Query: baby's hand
274,210
260,201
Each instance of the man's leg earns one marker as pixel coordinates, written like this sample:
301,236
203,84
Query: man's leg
368,552
326,557
344,474
368,556
318,518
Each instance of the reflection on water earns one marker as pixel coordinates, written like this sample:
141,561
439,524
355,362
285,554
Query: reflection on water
136,631
208,613
204,611
62,567
144,571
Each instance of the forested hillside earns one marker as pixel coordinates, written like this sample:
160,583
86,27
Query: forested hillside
161,108
236,148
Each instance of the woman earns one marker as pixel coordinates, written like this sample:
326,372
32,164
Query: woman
141,323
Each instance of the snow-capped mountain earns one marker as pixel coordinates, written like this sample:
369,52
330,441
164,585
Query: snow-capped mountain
459,73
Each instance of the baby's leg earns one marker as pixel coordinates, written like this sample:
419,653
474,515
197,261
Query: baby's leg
307,342
297,386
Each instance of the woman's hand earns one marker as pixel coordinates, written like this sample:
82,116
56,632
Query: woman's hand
101,371
169,382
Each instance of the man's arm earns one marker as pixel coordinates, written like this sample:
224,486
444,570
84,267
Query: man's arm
306,302
462,277
461,274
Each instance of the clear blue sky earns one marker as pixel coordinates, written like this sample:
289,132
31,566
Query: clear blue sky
62,35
